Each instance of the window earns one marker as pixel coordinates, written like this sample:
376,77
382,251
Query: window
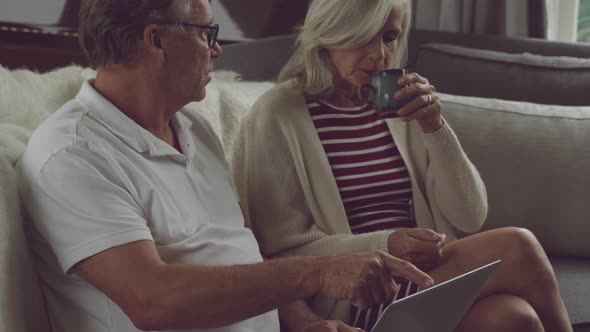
584,21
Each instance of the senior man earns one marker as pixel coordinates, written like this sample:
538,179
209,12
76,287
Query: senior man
134,223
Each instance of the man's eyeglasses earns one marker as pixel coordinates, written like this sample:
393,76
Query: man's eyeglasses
212,30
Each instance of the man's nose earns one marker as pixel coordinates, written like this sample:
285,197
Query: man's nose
216,51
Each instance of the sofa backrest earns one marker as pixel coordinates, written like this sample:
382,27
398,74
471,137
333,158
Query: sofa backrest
258,60
462,64
533,159
419,38
552,80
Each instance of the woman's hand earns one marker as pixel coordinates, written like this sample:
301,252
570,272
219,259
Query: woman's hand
424,106
420,246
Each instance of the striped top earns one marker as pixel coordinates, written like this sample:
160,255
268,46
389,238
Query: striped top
371,176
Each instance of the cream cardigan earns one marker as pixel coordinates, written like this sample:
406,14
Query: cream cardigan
291,200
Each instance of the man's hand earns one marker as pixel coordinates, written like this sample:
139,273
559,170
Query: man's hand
423,247
329,326
366,278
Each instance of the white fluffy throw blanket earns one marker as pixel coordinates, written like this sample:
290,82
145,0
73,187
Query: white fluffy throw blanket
27,98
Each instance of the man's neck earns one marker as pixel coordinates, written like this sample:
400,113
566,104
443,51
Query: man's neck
138,96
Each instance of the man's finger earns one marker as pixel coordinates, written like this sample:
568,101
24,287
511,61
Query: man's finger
375,291
390,287
407,270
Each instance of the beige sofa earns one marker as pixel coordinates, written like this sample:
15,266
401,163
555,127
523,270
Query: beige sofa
534,159
532,154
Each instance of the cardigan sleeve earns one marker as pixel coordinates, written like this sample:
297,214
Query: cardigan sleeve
273,201
454,182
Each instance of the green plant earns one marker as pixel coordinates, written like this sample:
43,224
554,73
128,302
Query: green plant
584,21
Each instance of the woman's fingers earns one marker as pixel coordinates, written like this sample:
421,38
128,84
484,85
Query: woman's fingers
424,104
425,234
420,113
413,90
412,78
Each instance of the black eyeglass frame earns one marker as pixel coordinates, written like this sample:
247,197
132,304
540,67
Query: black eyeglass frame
212,30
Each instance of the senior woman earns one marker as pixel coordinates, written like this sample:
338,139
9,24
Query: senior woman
320,172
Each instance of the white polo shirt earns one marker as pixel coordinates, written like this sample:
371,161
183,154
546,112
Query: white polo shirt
93,179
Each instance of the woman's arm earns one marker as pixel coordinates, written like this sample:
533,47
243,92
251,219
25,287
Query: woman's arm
453,181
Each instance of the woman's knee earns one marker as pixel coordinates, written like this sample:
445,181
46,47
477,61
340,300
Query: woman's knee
518,317
526,254
522,244
507,313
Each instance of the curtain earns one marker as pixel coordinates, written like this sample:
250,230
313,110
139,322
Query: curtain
514,18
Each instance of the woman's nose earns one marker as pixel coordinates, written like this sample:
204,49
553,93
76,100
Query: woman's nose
377,50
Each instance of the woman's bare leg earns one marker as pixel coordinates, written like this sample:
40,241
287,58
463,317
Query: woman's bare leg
502,312
525,271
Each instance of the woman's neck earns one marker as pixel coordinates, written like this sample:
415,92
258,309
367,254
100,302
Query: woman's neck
345,95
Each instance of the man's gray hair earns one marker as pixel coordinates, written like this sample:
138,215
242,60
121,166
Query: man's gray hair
110,29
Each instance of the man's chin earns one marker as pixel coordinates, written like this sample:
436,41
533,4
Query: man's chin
200,94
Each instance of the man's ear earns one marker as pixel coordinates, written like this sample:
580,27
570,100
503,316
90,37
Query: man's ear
152,40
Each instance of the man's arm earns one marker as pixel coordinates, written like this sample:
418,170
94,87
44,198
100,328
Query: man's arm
156,295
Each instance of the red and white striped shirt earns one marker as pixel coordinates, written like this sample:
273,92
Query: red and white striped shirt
371,176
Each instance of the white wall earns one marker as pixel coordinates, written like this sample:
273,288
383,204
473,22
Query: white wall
33,11
228,29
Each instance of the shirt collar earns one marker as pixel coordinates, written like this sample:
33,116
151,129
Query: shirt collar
124,127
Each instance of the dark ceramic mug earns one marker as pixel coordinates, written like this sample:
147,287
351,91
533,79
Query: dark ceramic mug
380,91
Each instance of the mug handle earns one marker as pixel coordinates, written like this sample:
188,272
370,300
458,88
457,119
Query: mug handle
370,96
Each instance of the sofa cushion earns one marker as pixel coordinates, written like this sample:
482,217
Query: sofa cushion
534,160
21,303
534,78
573,275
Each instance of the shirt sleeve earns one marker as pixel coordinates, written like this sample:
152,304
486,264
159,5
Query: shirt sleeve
81,207
457,187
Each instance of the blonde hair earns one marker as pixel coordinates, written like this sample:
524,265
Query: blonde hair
338,24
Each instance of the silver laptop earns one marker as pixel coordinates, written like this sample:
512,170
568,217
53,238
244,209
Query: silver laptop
436,309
